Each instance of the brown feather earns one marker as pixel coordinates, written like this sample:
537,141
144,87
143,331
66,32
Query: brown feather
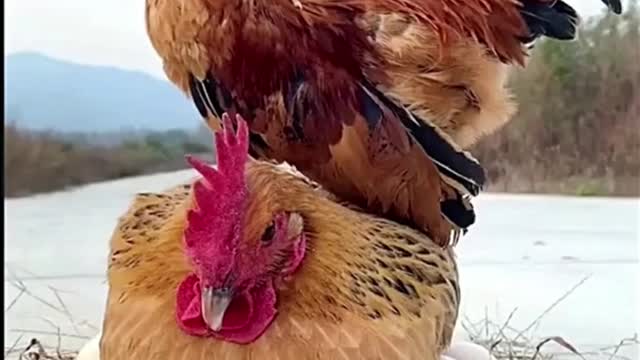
317,59
460,88
496,24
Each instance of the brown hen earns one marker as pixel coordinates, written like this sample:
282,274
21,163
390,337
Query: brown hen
367,288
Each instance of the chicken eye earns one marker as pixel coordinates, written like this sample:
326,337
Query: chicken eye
268,234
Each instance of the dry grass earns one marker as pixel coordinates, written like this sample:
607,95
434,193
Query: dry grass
504,341
35,349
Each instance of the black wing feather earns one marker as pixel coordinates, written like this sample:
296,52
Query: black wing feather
454,165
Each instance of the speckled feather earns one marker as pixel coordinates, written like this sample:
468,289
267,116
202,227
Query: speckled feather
368,289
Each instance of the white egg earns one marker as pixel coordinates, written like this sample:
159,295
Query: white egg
90,350
465,350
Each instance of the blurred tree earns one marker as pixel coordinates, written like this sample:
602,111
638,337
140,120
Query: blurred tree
579,112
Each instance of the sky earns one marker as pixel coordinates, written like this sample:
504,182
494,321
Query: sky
105,32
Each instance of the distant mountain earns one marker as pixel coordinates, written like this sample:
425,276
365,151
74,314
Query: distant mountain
46,93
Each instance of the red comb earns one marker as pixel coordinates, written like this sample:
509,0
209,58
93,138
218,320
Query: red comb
220,194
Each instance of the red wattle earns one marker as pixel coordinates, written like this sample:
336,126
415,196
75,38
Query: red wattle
188,310
248,316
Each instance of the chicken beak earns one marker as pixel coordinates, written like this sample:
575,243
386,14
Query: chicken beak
214,304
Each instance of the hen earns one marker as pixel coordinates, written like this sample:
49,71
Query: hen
257,262
373,99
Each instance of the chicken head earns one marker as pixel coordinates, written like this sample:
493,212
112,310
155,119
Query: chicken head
238,258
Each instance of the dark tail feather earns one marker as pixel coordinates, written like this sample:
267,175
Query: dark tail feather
555,19
614,5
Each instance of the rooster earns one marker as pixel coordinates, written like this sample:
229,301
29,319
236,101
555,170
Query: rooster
255,261
373,99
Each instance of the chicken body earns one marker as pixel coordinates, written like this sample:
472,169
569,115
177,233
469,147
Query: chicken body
374,99
368,288
308,81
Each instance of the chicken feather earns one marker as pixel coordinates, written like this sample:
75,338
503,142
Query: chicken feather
374,99
369,288
314,109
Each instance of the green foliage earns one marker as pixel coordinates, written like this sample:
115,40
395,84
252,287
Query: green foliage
592,188
191,147
40,162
